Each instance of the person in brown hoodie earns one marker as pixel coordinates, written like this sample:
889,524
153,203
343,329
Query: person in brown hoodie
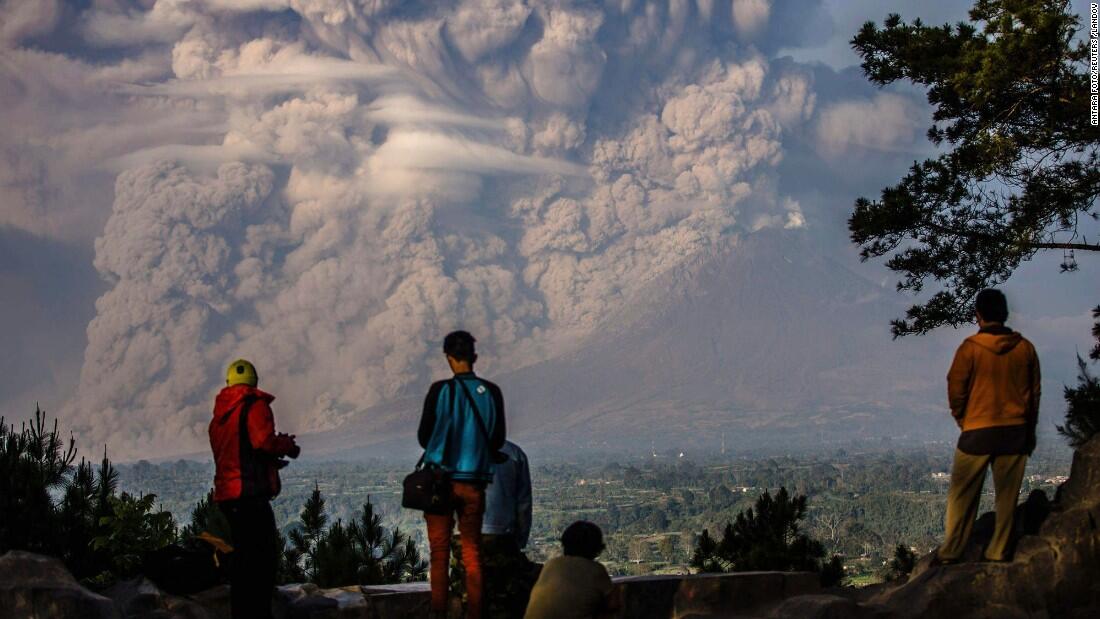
993,389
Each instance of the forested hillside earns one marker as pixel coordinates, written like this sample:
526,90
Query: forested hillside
860,504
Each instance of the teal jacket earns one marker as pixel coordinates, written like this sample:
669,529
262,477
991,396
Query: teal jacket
449,431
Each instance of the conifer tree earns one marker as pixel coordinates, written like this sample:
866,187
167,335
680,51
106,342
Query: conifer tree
1083,401
49,506
359,552
766,537
1020,167
304,538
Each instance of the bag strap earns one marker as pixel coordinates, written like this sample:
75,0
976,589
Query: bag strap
246,452
477,411
242,423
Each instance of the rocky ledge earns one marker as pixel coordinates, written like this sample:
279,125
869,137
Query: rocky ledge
1055,571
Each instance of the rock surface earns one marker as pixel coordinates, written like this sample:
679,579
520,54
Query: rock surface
1055,571
34,586
141,599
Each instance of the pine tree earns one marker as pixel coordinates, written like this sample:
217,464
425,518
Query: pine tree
34,464
207,518
1010,92
78,519
765,537
361,552
304,538
49,506
1083,401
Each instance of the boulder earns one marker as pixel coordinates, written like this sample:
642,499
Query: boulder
308,601
215,601
709,595
1054,570
824,606
139,598
1082,489
40,587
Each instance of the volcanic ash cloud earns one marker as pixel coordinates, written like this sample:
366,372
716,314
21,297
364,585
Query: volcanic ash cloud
385,172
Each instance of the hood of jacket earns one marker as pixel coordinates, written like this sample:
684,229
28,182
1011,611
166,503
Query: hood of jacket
998,340
229,397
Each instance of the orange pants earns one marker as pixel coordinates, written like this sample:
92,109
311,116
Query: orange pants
469,504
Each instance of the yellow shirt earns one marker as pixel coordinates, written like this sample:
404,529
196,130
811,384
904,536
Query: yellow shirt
570,588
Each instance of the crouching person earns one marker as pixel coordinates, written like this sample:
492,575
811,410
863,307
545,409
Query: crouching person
575,585
247,458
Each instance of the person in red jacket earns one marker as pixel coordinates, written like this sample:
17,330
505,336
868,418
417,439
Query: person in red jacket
247,457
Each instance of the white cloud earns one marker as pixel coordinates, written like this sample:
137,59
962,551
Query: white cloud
888,122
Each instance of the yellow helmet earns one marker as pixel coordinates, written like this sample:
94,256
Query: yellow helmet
241,372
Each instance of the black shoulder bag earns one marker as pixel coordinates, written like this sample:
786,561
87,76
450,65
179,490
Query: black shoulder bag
428,488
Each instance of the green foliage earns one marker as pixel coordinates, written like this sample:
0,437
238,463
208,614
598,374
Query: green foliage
50,506
832,572
1094,354
860,502
359,552
1083,401
765,537
304,539
289,567
1010,92
207,518
130,528
35,462
902,564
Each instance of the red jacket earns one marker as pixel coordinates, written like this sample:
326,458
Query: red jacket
246,451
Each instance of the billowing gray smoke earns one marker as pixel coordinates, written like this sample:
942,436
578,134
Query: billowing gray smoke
386,171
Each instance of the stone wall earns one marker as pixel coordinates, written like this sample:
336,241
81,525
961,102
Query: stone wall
40,587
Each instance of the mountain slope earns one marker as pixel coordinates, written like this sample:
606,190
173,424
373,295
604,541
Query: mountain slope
752,343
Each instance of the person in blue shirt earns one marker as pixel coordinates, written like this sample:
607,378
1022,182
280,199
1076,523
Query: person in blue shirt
462,430
505,530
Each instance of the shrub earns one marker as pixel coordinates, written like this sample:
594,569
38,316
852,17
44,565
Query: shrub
130,529
767,537
360,552
901,565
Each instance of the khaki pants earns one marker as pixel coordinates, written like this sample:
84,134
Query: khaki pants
967,476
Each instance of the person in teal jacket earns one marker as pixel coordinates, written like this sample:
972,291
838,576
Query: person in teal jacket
461,430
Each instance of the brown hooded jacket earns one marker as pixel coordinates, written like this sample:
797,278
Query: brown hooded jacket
994,381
